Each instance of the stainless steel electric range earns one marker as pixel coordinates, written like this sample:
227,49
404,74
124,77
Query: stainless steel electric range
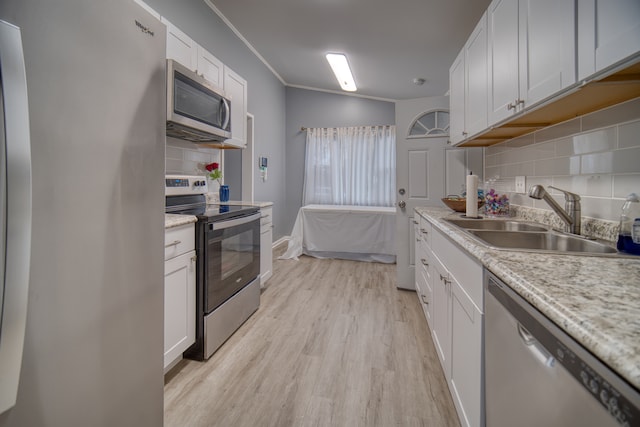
228,262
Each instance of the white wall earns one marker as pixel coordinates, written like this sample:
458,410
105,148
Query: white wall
596,156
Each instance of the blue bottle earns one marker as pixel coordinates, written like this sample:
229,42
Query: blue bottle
224,193
629,235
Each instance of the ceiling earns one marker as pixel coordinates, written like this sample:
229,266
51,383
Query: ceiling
388,43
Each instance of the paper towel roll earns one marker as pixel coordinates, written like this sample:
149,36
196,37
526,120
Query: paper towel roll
472,196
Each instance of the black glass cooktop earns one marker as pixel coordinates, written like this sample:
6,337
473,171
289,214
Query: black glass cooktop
196,205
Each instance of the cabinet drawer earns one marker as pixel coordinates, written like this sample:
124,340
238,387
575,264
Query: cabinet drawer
178,240
266,216
425,231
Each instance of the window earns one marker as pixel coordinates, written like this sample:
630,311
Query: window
431,123
350,166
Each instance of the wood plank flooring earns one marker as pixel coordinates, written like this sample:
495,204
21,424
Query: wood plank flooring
334,343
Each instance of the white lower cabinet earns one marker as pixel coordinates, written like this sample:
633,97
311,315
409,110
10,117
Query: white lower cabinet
455,316
179,295
465,379
266,242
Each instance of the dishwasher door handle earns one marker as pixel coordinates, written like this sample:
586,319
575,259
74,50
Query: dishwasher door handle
538,351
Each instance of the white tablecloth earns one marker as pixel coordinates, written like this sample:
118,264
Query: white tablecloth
364,233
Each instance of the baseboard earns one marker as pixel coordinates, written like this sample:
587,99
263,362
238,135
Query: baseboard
280,241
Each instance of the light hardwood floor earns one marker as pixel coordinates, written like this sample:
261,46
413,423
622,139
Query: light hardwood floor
334,343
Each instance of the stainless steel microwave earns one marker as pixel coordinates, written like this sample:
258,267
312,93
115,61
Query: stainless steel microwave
197,110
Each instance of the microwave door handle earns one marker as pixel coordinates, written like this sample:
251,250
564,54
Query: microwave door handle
226,112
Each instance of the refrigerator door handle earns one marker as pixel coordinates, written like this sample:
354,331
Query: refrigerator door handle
16,207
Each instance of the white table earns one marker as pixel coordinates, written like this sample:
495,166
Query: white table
363,233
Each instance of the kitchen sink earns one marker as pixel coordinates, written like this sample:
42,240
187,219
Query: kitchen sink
497,224
538,241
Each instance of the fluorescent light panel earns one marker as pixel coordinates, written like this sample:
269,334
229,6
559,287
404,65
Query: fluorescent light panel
340,67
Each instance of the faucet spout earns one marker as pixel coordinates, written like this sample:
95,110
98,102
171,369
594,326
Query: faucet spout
571,212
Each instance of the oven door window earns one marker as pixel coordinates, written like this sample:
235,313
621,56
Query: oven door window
233,256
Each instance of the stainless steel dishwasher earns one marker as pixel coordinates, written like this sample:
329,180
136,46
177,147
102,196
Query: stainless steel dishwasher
536,375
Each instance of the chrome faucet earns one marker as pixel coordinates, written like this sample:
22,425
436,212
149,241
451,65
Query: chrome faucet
571,212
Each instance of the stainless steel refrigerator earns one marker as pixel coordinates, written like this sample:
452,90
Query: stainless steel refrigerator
93,336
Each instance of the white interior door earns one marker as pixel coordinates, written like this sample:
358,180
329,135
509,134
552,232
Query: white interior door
420,175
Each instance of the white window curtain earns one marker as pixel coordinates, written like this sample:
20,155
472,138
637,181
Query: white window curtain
350,166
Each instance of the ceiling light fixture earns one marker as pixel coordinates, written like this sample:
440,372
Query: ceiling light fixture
340,67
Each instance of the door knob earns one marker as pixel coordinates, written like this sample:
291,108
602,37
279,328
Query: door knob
401,191
402,204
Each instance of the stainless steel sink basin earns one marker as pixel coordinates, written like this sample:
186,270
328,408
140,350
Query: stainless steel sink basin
496,224
537,241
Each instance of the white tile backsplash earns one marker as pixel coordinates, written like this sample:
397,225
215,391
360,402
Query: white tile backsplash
596,156
629,135
183,157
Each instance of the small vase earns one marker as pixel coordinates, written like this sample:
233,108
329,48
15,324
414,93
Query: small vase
224,193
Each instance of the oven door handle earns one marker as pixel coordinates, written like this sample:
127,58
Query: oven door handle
221,225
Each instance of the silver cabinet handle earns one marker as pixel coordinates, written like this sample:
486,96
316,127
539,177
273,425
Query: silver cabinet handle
424,299
194,258
415,222
511,106
174,243
422,230
424,262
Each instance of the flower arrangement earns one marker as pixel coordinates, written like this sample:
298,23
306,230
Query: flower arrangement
214,172
496,204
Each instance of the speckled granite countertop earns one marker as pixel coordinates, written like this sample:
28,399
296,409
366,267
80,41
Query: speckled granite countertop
175,220
596,300
212,200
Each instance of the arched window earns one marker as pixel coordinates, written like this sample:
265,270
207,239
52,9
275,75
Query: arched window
430,124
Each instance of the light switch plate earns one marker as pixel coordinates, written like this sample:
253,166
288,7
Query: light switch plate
521,184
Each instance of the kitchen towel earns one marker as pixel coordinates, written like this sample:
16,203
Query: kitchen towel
472,196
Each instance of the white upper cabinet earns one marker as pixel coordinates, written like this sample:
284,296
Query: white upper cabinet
457,130
468,86
608,32
235,88
532,53
547,48
210,67
182,48
476,83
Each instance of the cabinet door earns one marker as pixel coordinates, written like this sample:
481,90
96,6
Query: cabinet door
547,48
235,87
179,305
266,254
181,47
441,302
502,17
465,380
476,83
608,32
457,131
210,67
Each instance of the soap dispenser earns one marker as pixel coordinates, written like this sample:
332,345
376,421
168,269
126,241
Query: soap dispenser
629,237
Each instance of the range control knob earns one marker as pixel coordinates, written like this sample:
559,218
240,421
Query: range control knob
196,183
593,385
584,377
604,396
203,183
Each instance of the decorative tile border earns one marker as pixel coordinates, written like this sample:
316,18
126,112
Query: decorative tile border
593,227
